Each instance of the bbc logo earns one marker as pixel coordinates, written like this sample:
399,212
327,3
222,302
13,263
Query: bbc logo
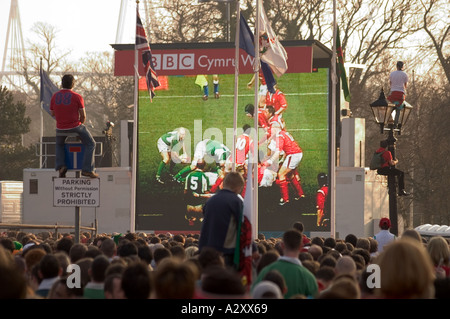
174,61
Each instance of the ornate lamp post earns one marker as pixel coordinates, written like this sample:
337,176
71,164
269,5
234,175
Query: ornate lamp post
391,118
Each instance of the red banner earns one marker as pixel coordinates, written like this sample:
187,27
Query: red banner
207,61
163,83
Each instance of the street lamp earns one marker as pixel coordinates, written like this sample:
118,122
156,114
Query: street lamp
392,118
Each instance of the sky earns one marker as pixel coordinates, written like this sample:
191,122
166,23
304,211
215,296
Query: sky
83,25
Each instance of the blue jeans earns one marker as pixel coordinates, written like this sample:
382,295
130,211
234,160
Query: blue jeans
89,147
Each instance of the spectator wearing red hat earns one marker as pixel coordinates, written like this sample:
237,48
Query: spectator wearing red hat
384,237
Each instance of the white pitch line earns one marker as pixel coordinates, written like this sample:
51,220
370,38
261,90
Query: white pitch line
294,129
308,129
223,95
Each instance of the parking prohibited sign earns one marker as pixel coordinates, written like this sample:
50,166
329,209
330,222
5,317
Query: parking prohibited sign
76,192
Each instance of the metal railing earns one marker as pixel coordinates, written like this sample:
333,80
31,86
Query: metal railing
93,228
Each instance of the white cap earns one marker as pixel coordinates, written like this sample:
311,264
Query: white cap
264,287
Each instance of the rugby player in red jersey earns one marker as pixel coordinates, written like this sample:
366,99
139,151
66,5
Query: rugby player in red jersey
276,99
244,145
287,173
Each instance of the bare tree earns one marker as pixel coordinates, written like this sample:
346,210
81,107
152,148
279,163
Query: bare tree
436,23
293,19
372,34
427,151
430,93
179,21
45,49
52,59
369,30
106,96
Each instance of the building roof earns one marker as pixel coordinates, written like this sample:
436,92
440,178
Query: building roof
433,230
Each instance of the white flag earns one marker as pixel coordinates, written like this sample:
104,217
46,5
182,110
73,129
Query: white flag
271,50
248,199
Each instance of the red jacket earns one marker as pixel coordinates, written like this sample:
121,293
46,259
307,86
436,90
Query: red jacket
387,156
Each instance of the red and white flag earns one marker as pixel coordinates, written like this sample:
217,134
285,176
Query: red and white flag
271,50
246,238
144,48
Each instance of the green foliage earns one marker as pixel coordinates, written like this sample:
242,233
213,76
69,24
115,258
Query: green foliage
13,156
14,159
12,119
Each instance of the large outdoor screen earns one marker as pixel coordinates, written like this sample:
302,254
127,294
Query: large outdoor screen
164,200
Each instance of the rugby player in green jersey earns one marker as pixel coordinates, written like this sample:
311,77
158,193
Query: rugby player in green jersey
209,151
170,145
196,191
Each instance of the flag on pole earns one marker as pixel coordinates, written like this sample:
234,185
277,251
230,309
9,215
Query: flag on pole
48,88
144,48
271,50
246,38
340,62
243,253
246,42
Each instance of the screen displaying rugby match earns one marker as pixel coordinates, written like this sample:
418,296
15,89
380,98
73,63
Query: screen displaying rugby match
185,139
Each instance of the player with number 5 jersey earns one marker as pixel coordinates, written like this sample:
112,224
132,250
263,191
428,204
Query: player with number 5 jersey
196,193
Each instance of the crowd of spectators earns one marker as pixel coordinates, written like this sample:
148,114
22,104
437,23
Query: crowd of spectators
171,266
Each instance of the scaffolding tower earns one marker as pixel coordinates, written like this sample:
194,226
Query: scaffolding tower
14,52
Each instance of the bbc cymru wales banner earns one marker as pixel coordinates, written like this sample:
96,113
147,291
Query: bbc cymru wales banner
205,61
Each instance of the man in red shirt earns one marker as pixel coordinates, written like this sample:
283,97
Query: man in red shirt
244,145
321,198
262,115
388,168
276,122
68,109
276,99
287,172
